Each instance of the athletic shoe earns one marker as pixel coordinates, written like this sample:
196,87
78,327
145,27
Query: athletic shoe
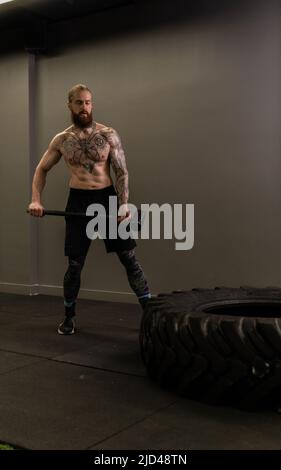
67,327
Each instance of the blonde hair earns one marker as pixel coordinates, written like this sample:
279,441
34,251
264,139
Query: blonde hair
76,88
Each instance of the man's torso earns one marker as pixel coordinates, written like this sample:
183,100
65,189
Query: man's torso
87,155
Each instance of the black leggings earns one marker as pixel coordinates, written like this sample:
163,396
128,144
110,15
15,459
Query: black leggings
134,272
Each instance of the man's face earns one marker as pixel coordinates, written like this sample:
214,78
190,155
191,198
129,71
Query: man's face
81,108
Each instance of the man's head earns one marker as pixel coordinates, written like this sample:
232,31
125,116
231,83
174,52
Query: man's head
80,105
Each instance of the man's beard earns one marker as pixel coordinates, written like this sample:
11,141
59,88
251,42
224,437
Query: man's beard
80,120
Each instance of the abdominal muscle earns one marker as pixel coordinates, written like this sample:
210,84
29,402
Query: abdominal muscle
81,179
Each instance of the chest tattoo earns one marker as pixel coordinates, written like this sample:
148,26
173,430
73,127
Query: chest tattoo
86,152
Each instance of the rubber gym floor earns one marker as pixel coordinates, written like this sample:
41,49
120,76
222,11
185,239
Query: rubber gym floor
90,390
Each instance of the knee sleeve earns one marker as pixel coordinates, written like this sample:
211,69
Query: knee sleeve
75,265
72,278
128,259
135,273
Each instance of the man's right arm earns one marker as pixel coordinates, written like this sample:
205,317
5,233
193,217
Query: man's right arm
49,159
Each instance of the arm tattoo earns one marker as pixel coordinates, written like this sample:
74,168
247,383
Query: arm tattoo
118,162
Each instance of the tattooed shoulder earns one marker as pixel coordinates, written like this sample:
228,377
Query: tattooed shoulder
111,136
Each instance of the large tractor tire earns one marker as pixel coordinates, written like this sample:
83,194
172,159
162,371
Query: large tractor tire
220,346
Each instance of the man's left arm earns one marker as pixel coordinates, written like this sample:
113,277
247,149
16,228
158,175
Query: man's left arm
118,163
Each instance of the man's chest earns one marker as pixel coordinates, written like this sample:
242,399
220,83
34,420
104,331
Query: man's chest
76,149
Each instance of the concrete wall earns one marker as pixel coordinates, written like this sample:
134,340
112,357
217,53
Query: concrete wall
196,99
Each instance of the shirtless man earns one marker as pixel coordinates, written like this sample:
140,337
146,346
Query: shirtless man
88,149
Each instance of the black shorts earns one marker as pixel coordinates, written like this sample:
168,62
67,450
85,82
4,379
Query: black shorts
76,241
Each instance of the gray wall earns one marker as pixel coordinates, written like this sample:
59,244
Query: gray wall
196,100
14,173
